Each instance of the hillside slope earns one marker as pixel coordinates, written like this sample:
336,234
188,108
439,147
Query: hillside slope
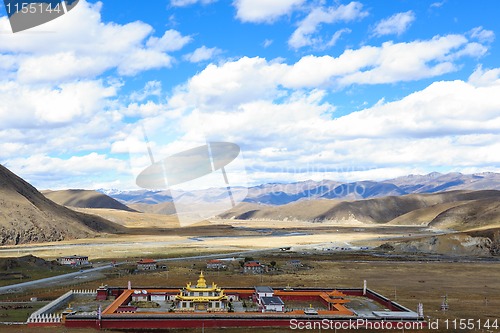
471,215
379,210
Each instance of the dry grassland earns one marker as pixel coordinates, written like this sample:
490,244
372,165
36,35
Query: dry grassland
164,246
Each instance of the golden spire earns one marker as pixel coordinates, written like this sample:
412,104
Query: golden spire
202,283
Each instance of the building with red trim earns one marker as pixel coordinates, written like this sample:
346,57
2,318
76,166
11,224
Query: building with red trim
147,265
265,307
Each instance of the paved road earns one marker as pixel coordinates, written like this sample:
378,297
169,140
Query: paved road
48,281
36,283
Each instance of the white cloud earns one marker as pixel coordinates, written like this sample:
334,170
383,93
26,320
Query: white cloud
259,11
336,36
267,43
82,46
275,112
394,25
409,61
57,171
386,64
147,109
482,35
451,124
248,79
304,34
172,40
437,4
45,106
442,109
151,88
230,84
487,77
184,3
202,53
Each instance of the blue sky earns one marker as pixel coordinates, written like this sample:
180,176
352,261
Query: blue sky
347,90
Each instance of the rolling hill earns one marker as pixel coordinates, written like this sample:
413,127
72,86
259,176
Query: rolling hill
164,208
469,215
422,209
28,216
85,199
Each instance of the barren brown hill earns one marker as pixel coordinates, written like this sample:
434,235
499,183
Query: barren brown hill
424,216
165,208
455,244
302,210
85,199
379,210
134,220
483,213
27,216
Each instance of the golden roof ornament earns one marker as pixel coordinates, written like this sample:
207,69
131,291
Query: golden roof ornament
202,283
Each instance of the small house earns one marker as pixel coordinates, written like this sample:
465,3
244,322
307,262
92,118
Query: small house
216,264
147,265
252,267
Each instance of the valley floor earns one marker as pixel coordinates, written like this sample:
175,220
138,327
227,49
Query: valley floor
332,256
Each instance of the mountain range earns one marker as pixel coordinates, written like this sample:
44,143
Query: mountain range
282,194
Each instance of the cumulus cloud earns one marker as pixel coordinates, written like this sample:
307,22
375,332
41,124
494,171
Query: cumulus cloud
452,124
259,11
57,171
172,40
45,106
248,79
202,53
394,25
442,109
278,113
85,47
54,99
304,35
486,77
230,84
482,35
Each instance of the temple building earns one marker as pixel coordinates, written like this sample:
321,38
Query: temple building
201,298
